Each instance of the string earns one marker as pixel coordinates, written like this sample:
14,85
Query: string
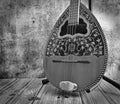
75,23
71,28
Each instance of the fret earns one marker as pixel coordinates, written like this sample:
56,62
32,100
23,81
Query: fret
74,12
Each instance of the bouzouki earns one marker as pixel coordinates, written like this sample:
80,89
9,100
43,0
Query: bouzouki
76,51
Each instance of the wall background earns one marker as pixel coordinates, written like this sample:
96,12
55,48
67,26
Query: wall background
26,24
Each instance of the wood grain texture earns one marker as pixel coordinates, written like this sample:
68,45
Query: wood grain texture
8,85
4,82
9,94
31,91
110,92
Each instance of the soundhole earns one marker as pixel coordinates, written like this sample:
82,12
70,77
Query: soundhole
81,28
83,39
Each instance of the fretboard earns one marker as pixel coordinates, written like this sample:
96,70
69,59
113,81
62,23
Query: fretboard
74,12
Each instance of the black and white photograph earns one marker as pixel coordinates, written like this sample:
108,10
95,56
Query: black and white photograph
59,51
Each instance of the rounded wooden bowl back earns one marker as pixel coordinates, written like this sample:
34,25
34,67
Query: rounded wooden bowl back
85,70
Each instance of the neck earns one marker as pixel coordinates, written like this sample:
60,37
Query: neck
74,12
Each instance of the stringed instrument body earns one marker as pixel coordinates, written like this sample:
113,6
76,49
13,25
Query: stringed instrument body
76,50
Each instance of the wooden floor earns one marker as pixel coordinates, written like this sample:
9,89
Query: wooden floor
31,91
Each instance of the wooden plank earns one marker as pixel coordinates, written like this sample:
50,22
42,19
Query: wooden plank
19,91
112,82
51,95
76,99
40,95
8,85
10,93
97,97
86,98
70,98
2,80
6,82
30,93
111,93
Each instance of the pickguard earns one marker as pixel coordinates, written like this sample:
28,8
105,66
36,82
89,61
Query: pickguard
87,39
92,45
